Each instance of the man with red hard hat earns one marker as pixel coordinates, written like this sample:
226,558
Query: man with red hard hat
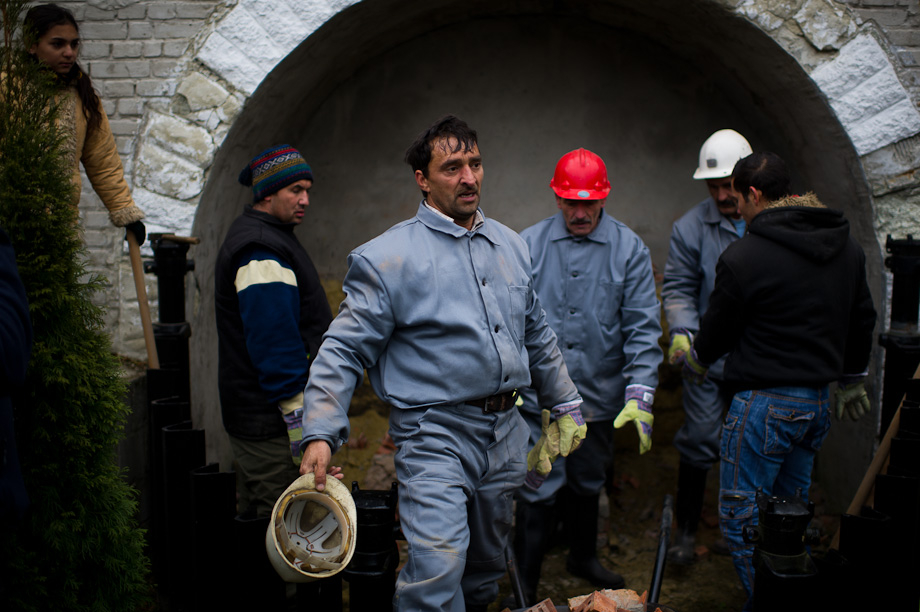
594,277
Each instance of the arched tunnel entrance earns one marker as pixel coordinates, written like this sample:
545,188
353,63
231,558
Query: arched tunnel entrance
642,86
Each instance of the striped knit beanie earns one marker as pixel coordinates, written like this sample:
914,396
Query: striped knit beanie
274,169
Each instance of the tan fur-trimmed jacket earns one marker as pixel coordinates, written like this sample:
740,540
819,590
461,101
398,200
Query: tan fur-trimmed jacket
97,151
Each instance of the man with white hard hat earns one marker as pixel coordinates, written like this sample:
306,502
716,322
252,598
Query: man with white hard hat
697,240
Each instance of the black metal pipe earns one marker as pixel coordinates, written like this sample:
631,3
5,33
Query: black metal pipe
161,413
183,451
664,538
170,266
371,575
517,587
213,509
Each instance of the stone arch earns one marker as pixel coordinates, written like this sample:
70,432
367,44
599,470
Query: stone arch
265,74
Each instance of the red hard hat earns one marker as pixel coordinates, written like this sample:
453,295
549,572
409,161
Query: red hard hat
581,175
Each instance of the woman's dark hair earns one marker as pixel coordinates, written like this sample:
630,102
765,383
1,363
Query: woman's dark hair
38,20
764,171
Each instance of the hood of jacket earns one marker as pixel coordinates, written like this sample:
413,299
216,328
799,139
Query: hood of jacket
804,225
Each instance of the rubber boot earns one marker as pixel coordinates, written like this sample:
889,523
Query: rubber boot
691,484
582,561
532,526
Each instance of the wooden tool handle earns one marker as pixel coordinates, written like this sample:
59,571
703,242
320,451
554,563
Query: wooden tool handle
134,249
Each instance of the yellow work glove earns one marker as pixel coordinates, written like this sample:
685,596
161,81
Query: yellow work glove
680,345
572,427
544,452
638,409
692,368
852,399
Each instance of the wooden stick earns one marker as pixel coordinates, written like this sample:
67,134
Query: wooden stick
181,239
867,486
153,360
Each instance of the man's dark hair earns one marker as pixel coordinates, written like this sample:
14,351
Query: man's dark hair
418,155
764,171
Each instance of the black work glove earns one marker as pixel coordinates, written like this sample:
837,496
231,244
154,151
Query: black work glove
137,228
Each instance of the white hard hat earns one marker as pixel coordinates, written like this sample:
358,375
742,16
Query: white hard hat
719,154
312,533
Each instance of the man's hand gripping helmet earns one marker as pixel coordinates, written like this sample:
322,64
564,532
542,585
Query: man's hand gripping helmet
312,533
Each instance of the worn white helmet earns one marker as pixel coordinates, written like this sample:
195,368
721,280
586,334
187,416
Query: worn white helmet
719,154
312,533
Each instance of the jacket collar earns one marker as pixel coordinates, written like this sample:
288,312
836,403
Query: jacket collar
600,234
438,223
264,217
712,216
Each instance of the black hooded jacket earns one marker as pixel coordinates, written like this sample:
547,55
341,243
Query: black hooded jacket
791,304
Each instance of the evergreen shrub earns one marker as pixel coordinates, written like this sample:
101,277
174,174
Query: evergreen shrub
79,547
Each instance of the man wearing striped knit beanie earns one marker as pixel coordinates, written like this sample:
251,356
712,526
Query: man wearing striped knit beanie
271,315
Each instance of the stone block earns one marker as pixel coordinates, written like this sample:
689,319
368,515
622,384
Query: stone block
863,89
125,145
195,10
127,49
175,48
245,31
153,48
176,28
167,174
898,214
119,69
884,17
108,106
119,89
162,10
97,13
104,30
286,27
155,87
94,50
894,167
224,58
165,215
825,26
139,30
164,68
130,107
201,92
135,11
181,137
904,37
124,127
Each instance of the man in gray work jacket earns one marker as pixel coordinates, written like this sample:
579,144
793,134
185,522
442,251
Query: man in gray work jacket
441,311
697,240
594,277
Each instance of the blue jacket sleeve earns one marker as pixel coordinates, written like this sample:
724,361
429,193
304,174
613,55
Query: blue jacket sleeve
270,309
682,281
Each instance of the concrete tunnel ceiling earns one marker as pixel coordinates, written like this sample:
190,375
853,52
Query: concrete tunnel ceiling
643,86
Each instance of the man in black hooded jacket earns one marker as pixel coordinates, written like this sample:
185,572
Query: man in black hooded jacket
792,308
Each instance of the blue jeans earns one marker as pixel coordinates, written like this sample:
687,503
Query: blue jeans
769,441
